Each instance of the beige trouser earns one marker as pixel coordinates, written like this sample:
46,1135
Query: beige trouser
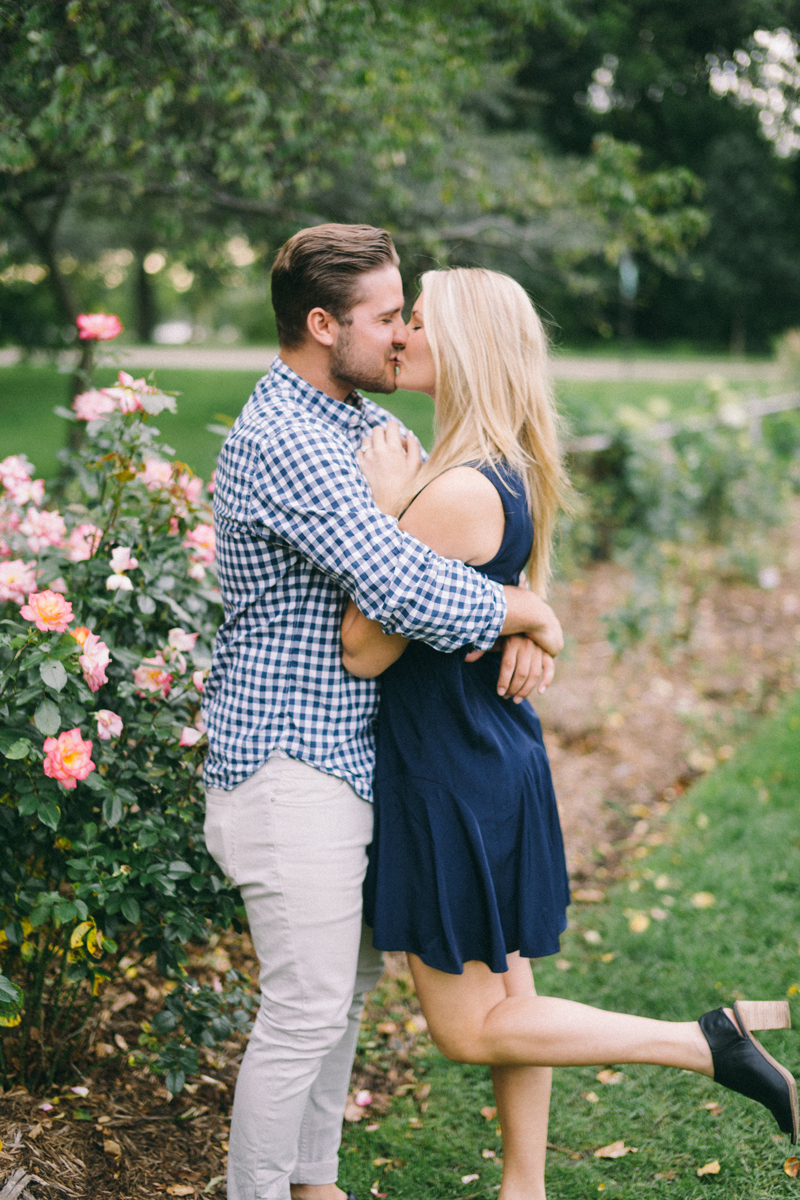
294,842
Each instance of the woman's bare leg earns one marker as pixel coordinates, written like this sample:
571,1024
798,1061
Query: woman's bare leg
473,1019
523,1107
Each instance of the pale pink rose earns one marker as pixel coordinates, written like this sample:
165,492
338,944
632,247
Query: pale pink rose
43,528
93,661
199,680
174,527
201,543
68,758
15,467
83,541
17,578
179,639
123,560
190,736
197,571
118,583
151,676
59,585
98,327
50,612
191,486
109,725
129,391
10,519
25,491
156,474
93,405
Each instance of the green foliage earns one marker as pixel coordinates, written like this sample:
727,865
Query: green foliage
101,807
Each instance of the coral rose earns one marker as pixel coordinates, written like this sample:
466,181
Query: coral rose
50,612
68,758
109,725
93,661
16,579
80,633
98,327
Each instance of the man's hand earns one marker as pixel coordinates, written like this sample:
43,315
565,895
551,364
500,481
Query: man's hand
525,667
528,614
390,464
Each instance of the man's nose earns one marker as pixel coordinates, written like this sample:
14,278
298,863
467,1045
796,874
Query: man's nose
399,334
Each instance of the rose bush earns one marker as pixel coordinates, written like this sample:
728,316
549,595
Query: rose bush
108,606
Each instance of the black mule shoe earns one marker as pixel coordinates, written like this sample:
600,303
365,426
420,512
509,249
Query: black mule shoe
352,1196
742,1064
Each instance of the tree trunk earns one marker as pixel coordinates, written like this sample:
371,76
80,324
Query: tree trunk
144,297
738,333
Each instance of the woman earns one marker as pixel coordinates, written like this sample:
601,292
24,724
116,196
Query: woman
467,868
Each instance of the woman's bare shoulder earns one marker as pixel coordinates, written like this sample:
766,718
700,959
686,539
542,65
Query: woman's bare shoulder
459,515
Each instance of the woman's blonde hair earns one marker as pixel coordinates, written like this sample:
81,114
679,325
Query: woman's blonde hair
494,398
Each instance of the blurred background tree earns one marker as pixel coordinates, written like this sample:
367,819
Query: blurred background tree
153,157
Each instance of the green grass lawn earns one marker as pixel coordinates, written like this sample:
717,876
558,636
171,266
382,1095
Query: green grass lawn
736,835
28,396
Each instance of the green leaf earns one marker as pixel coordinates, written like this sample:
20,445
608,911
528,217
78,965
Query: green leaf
112,810
53,674
19,749
27,804
47,718
49,813
178,868
130,910
9,992
175,1081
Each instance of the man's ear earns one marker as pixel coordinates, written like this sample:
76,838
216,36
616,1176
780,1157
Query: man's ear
322,327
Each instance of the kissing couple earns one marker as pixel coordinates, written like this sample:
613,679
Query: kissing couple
427,822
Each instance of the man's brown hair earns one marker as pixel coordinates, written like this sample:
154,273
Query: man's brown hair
320,268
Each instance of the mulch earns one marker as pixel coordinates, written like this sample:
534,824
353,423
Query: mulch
626,737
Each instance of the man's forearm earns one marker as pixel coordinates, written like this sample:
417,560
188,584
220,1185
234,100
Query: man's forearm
527,613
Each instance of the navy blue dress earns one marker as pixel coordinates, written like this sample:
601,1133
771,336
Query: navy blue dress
467,860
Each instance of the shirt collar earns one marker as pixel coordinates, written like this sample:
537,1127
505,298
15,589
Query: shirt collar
344,413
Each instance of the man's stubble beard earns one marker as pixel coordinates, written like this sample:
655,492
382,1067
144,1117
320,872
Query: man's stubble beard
346,367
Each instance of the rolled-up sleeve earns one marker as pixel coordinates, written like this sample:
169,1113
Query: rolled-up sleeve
308,491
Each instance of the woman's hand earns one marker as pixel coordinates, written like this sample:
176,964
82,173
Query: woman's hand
525,668
390,464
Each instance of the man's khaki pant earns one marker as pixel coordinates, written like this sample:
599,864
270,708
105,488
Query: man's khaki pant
294,842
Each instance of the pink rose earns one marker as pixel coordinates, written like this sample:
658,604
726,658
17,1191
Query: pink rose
199,680
68,758
98,327
59,585
109,725
15,476
174,527
15,468
190,736
83,541
151,676
156,474
93,661
43,528
16,579
200,542
179,639
197,571
93,405
123,560
129,391
50,612
191,486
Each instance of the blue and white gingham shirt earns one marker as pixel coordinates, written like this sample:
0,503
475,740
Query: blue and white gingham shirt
297,533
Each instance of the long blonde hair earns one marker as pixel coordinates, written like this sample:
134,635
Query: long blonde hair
494,399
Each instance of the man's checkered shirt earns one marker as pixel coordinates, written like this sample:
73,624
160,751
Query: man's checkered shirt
297,533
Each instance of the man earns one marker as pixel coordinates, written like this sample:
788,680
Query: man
291,753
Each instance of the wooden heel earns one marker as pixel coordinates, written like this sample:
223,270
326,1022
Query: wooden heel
764,1014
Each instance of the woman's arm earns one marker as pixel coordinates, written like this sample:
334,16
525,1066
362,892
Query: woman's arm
366,650
459,515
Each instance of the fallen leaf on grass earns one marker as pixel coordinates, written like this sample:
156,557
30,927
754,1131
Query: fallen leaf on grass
469,1178
589,895
592,1097
415,1122
180,1189
489,1113
371,1128
373,1191
488,1154
381,1162
609,957
714,1108
353,1111
615,1150
563,964
120,1042
112,1147
609,1075
79,1091
703,900
668,1175
362,1099
791,1167
712,1168
639,922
